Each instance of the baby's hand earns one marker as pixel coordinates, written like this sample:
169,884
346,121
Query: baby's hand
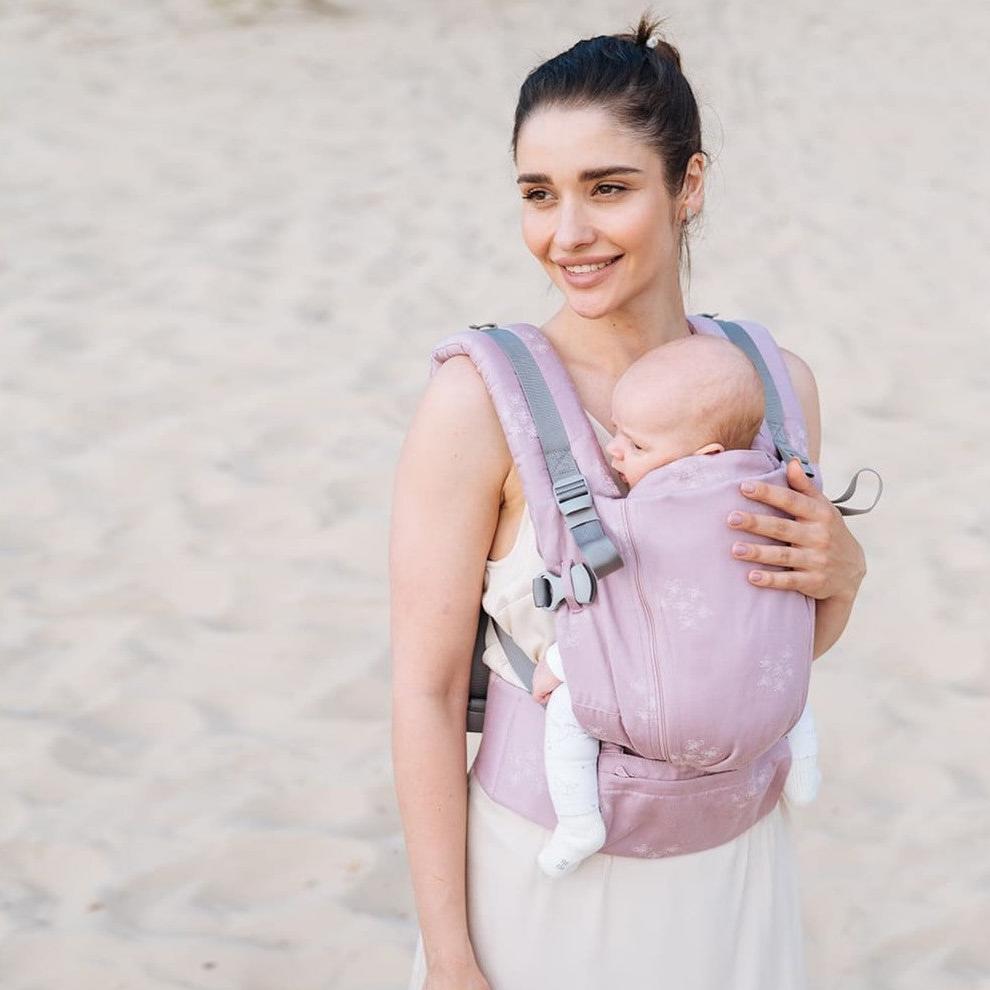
544,681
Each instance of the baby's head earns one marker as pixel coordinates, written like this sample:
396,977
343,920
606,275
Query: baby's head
694,395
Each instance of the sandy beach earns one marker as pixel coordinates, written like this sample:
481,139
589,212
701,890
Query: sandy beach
231,233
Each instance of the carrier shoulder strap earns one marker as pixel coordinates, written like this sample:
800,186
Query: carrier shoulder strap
554,448
773,414
784,426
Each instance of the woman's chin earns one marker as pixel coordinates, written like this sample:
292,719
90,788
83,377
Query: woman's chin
588,307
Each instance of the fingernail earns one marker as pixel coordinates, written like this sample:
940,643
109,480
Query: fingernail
749,487
756,576
735,518
739,549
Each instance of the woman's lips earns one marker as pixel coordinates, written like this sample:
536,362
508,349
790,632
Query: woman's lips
583,280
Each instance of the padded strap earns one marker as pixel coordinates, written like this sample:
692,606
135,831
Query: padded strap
570,487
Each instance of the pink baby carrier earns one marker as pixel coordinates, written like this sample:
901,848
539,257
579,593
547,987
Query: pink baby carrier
688,674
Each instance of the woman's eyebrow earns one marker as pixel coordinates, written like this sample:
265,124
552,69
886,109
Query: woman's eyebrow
588,175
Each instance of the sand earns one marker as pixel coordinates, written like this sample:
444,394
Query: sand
231,234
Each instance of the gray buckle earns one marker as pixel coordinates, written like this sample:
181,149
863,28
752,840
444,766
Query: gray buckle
548,588
572,493
582,583
482,326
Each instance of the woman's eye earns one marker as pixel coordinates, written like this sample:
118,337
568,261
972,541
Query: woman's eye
610,185
536,195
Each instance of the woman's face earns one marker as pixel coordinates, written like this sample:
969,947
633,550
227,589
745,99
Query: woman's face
596,212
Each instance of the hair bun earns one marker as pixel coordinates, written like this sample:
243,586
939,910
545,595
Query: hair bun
647,34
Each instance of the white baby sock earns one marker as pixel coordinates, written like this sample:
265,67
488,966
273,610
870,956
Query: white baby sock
574,839
803,778
572,777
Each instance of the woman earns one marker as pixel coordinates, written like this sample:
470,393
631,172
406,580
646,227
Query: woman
607,144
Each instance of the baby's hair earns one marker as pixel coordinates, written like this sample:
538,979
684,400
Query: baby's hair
715,383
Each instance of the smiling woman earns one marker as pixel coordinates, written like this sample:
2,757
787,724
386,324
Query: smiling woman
610,167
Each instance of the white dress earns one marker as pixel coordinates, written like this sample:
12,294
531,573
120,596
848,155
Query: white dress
726,918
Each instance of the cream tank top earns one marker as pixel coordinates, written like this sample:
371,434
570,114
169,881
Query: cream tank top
507,594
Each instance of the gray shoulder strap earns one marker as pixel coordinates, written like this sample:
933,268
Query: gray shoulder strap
774,415
774,412
569,485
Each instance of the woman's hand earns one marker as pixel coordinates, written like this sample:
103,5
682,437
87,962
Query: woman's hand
825,559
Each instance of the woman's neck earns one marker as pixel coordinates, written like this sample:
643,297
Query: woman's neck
613,342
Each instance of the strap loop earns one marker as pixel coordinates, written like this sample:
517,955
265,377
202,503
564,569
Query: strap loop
850,491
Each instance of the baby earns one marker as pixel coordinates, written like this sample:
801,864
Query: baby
694,395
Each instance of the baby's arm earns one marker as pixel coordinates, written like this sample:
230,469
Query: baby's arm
544,679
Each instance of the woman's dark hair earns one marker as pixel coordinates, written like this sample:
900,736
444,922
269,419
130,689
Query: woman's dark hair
637,77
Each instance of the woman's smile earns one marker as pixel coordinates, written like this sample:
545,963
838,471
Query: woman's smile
589,273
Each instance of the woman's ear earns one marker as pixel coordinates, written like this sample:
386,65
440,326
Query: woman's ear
693,185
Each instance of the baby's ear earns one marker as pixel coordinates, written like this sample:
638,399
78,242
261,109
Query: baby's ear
711,448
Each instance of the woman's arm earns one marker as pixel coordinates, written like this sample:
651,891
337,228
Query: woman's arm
445,508
826,560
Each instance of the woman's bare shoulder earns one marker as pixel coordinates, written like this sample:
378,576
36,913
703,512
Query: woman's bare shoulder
455,425
452,468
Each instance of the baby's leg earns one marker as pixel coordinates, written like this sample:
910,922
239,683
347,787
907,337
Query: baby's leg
572,777
803,778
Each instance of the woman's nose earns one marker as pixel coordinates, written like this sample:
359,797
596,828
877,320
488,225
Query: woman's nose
573,229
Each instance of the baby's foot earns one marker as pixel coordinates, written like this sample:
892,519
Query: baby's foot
574,839
803,778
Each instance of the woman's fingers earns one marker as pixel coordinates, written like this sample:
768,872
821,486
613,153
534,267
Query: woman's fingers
823,556
809,583
806,574
776,527
770,553
815,506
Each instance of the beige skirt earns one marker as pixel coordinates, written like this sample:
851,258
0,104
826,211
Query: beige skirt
726,918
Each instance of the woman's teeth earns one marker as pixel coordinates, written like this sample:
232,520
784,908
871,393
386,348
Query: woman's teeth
583,269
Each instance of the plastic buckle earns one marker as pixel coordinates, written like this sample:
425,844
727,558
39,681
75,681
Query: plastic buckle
482,326
572,493
582,583
549,590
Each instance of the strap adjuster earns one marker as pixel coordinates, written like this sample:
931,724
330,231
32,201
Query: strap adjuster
572,493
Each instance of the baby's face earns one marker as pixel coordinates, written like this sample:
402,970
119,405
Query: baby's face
635,450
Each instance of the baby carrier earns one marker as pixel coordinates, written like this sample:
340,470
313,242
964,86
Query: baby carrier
688,674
